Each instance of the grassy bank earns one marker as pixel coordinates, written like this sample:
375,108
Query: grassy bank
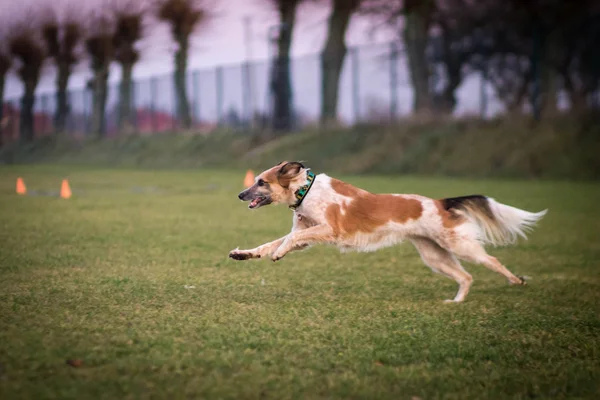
561,148
131,278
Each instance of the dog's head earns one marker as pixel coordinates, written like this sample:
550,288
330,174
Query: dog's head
275,185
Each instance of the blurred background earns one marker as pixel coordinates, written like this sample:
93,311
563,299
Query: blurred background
267,68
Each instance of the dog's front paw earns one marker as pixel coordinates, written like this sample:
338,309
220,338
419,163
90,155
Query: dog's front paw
240,255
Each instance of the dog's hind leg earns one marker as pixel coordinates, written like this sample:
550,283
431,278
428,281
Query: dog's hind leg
442,261
473,251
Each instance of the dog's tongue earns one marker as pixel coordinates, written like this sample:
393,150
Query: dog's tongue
254,202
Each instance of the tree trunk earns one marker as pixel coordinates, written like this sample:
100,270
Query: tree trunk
332,58
516,105
183,106
416,35
125,98
549,91
550,77
577,97
100,91
62,102
282,90
447,100
578,100
2,81
453,60
27,117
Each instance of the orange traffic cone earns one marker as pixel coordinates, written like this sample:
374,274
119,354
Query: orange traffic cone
249,179
21,189
65,189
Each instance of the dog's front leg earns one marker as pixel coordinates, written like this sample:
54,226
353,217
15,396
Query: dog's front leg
302,238
258,252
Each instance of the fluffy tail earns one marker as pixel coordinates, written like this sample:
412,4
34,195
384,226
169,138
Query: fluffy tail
496,224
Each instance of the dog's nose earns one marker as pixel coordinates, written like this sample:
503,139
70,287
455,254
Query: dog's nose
241,196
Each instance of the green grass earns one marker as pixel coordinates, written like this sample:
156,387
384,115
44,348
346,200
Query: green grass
102,278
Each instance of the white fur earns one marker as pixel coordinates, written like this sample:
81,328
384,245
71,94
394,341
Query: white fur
510,223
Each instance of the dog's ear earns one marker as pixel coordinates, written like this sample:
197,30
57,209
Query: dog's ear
288,172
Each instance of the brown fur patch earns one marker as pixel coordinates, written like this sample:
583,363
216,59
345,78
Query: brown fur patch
270,175
278,193
368,211
288,173
346,189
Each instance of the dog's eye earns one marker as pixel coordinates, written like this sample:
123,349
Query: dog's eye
260,182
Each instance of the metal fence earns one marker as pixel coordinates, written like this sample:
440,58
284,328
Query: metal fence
374,86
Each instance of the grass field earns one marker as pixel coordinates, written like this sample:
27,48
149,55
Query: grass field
131,277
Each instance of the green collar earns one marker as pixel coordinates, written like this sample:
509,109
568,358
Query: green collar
303,191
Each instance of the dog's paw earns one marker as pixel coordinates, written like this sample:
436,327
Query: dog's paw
519,281
240,255
277,256
452,301
523,280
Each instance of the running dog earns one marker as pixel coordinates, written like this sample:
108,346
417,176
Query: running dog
329,211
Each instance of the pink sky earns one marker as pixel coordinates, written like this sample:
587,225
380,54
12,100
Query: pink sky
222,41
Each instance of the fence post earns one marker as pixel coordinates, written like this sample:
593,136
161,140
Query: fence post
69,119
196,90
247,94
87,99
219,85
133,107
355,85
43,115
393,80
483,94
153,95
77,121
175,108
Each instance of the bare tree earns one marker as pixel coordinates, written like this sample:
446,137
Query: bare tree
5,63
459,34
129,30
416,33
26,45
62,35
580,70
528,51
280,77
100,48
183,16
567,34
414,17
332,57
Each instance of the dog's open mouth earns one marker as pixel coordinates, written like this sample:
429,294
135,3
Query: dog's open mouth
259,202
